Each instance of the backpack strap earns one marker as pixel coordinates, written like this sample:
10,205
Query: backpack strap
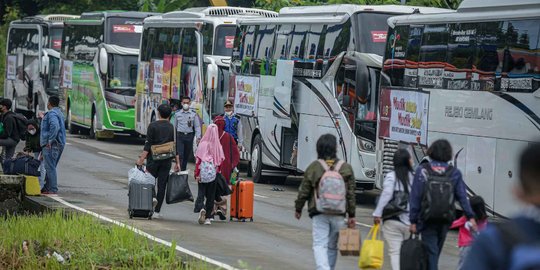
324,165
338,165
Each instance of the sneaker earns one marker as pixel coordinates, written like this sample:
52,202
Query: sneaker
207,222
202,216
157,215
212,219
221,215
48,193
154,202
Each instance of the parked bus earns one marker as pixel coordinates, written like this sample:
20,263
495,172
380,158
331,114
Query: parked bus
99,72
33,61
471,77
311,71
178,47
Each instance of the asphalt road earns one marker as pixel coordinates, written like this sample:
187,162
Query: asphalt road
93,175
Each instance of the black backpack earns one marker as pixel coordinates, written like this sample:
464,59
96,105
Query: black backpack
438,199
413,254
21,125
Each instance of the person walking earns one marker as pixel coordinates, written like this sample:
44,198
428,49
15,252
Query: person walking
326,226
10,137
33,146
53,141
159,133
466,234
395,226
188,127
233,125
514,244
209,157
434,188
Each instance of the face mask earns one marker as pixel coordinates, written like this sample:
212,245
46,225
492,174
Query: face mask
229,113
32,131
185,107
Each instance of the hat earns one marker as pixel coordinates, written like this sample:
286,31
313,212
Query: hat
228,103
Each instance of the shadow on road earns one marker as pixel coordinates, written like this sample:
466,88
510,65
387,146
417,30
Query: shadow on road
119,139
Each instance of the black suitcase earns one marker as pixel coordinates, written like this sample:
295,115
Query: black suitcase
140,200
413,255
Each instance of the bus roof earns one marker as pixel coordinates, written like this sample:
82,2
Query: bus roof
477,11
351,9
51,19
116,13
216,15
233,11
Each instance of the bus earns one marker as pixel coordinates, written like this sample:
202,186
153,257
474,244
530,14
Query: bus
187,53
33,62
311,71
99,71
471,77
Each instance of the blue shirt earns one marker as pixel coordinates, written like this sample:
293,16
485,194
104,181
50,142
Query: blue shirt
52,128
417,192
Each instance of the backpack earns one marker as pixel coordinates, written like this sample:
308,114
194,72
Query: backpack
438,198
21,124
413,254
208,172
523,252
330,196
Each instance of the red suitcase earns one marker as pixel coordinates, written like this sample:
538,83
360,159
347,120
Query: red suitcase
242,200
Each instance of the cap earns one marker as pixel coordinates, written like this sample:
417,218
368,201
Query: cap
228,103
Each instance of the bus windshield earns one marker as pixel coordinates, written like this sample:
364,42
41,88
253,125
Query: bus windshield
373,28
55,38
125,32
224,40
122,74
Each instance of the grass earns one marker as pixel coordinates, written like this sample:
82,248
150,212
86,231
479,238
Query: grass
91,245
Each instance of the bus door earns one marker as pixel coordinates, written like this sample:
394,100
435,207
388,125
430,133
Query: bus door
190,82
284,115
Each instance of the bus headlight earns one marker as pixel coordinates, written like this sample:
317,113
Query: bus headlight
117,106
365,145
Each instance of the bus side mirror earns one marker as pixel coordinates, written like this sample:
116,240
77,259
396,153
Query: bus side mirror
362,80
45,65
103,59
211,74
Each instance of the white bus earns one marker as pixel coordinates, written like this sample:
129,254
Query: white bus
472,77
311,71
178,47
33,61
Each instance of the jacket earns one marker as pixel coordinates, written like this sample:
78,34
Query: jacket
389,186
417,192
53,128
10,126
313,175
465,237
32,141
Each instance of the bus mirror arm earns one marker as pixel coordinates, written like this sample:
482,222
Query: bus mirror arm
362,79
211,73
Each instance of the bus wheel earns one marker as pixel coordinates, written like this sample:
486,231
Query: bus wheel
256,160
92,133
72,128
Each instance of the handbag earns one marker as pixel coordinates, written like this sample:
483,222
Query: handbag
178,189
163,151
372,253
397,205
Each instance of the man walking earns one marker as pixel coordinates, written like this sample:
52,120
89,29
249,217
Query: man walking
10,137
188,127
52,140
326,226
233,125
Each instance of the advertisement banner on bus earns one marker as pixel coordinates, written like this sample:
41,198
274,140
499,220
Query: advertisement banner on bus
176,76
142,77
11,67
67,74
404,115
245,101
157,67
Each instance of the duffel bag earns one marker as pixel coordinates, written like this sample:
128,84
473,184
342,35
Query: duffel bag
26,165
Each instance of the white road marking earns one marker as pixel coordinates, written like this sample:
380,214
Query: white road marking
110,155
260,196
142,233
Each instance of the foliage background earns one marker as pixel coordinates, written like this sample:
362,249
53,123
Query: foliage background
15,9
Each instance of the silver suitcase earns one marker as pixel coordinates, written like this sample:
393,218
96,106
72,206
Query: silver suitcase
140,200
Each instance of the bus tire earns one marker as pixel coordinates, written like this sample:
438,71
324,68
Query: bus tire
92,131
256,165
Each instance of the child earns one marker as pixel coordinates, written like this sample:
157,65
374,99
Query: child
209,157
466,236
33,146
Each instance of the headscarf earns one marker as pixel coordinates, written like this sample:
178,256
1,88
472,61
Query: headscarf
230,149
209,148
220,123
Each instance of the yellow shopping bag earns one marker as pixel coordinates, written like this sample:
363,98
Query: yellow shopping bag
372,254
32,187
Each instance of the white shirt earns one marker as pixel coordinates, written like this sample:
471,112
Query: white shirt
389,186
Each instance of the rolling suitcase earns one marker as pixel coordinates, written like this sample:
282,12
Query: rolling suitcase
140,200
242,201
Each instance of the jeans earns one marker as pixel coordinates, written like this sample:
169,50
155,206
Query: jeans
433,236
42,171
325,240
395,232
208,190
9,145
160,169
51,157
463,253
184,147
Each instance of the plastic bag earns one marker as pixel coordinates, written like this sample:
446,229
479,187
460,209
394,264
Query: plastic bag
372,253
139,176
178,189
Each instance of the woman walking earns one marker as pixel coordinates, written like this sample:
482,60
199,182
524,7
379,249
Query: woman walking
209,157
395,225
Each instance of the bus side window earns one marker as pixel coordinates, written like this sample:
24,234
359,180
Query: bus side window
461,54
263,50
298,42
208,39
237,53
488,51
433,56
394,64
282,41
345,89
